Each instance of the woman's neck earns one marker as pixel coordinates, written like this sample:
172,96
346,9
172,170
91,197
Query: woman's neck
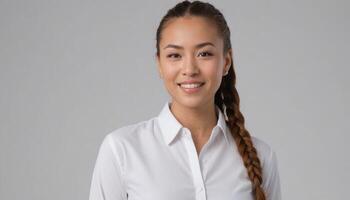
200,120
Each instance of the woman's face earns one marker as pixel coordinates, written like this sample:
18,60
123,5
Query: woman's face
190,50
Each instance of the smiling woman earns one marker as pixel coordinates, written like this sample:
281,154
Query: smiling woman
199,60
197,147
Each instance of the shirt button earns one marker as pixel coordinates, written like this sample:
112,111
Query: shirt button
186,134
200,189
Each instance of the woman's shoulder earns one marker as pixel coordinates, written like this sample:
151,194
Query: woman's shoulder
131,131
264,149
269,164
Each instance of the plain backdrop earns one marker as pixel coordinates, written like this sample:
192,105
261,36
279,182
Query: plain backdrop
73,71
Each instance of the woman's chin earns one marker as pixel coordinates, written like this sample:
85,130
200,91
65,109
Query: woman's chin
191,102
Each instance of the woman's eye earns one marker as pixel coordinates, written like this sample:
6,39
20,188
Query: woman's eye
206,54
173,55
203,54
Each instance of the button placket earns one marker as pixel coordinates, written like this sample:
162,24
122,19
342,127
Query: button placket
195,166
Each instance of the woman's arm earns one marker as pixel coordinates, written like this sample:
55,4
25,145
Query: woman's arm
271,183
107,183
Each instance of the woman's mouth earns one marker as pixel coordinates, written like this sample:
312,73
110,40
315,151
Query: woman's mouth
190,88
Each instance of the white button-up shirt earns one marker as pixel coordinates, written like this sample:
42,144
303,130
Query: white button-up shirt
156,159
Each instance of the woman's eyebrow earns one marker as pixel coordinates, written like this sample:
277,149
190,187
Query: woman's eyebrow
200,45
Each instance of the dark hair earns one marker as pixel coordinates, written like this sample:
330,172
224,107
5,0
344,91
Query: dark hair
226,98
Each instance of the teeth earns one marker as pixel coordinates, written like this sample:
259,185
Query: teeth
191,85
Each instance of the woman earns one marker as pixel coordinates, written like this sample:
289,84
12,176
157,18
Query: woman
197,147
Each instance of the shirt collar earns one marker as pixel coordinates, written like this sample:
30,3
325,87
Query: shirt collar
170,126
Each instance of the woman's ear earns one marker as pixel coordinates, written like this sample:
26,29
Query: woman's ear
228,60
158,66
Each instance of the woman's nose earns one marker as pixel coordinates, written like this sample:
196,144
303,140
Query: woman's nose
190,66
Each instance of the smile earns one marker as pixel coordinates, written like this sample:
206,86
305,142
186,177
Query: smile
191,88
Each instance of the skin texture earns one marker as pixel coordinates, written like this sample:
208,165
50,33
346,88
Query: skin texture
205,64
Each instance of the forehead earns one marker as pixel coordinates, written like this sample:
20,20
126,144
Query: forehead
189,31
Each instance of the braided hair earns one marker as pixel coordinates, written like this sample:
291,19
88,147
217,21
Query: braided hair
226,97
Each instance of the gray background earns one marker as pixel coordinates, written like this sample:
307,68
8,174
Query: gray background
73,71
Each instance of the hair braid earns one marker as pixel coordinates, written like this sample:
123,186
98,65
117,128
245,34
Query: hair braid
235,121
226,98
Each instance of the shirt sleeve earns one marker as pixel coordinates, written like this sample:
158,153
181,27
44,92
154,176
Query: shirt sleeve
107,182
272,180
